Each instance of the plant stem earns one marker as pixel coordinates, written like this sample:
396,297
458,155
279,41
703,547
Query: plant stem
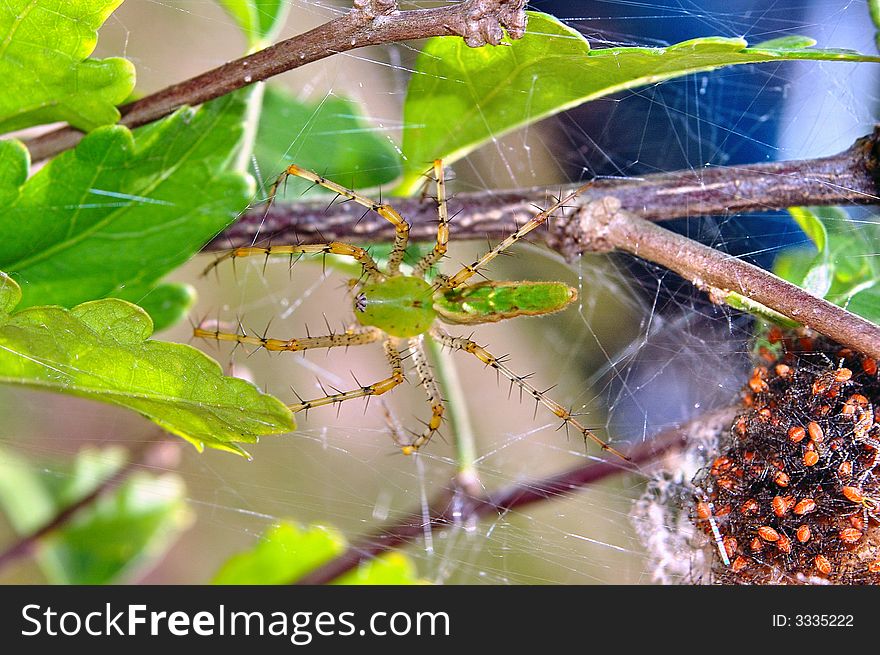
463,435
451,507
372,22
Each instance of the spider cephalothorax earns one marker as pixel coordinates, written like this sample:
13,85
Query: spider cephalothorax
401,308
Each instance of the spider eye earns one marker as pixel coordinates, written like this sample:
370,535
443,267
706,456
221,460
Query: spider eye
360,302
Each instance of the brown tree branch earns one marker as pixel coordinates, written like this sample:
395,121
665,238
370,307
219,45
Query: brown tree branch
849,177
370,22
455,507
601,226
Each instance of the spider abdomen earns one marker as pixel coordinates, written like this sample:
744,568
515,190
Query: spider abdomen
488,302
401,306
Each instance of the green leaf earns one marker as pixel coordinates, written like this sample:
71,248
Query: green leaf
866,303
124,530
166,303
329,136
260,20
287,552
100,350
284,554
389,569
843,267
44,45
122,210
460,97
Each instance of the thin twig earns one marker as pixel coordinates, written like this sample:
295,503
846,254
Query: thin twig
370,22
454,507
849,177
155,454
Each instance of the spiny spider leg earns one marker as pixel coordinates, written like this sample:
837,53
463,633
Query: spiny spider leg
439,250
469,346
401,227
392,352
429,384
333,248
536,221
351,337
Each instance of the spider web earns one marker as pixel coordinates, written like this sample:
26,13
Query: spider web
640,351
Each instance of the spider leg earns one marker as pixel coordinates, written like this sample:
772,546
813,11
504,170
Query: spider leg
351,337
429,384
439,250
469,346
332,248
392,352
401,227
536,221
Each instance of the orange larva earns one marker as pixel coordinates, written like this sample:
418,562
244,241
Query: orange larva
730,546
779,506
784,544
811,457
782,370
859,400
796,434
768,534
803,533
853,494
782,479
720,465
756,545
869,366
757,385
805,506
842,374
816,432
874,567
823,566
739,564
727,484
750,506
850,535
703,511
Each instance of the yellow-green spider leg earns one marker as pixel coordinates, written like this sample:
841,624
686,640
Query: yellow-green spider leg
439,250
332,248
429,384
469,346
351,337
392,353
401,227
467,272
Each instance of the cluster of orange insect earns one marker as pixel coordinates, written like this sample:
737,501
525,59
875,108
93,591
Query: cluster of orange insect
794,495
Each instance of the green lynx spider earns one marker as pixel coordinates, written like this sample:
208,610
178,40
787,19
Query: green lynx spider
401,309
